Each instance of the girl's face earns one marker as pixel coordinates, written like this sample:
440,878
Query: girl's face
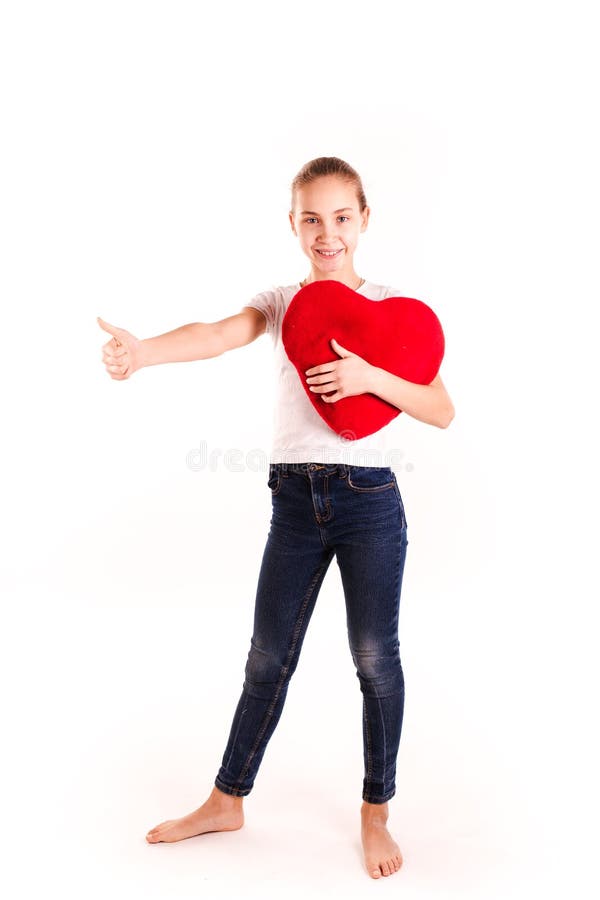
327,218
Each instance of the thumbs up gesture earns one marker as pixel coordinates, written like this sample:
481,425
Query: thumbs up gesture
121,355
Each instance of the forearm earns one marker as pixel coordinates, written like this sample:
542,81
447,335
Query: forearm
429,403
198,340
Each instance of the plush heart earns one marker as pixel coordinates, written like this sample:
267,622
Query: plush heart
399,334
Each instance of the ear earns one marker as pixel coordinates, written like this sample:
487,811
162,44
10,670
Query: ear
365,218
291,215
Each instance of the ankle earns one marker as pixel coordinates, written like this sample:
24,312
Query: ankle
228,801
374,810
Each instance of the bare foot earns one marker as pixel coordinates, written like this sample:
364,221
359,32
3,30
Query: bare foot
382,853
221,812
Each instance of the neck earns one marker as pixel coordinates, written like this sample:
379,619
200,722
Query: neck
352,280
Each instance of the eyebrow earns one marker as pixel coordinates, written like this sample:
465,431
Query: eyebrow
310,212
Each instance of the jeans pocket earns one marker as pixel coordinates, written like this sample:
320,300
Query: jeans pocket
274,479
401,504
370,478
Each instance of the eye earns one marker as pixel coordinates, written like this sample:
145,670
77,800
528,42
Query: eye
344,217
310,219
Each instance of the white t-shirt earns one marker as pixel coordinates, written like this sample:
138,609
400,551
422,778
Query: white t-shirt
299,432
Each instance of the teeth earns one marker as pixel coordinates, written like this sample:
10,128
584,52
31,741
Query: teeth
329,252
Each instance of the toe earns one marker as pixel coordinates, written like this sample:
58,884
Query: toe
385,867
154,834
375,873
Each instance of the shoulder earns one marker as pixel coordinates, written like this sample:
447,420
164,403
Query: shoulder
375,291
273,303
278,293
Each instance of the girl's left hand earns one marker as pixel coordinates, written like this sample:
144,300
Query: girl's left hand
347,376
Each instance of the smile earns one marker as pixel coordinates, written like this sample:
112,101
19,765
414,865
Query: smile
329,252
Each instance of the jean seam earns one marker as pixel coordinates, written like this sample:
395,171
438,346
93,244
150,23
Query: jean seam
276,486
369,742
235,791
400,505
381,716
284,672
369,490
372,798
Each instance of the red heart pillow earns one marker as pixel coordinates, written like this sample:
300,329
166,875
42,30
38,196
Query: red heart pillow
399,334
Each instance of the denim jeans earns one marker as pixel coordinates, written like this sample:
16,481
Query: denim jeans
355,513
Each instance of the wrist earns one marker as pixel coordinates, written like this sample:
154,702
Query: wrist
144,353
374,379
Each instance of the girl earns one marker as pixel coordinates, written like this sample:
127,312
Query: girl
327,500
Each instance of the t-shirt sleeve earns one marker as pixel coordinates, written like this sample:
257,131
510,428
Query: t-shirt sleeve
393,292
269,304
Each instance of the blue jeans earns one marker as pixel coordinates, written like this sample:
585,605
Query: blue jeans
318,511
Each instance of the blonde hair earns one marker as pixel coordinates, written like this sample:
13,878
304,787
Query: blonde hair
322,166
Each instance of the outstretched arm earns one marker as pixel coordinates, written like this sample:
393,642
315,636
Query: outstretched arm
203,340
124,354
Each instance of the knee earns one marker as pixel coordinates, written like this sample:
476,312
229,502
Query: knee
264,670
379,668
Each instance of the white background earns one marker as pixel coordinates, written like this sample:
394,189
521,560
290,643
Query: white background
147,153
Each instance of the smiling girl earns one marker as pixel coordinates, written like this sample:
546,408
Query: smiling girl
330,497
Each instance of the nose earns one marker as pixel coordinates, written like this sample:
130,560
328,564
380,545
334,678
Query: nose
326,233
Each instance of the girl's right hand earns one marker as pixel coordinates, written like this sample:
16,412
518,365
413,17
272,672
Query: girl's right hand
122,354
